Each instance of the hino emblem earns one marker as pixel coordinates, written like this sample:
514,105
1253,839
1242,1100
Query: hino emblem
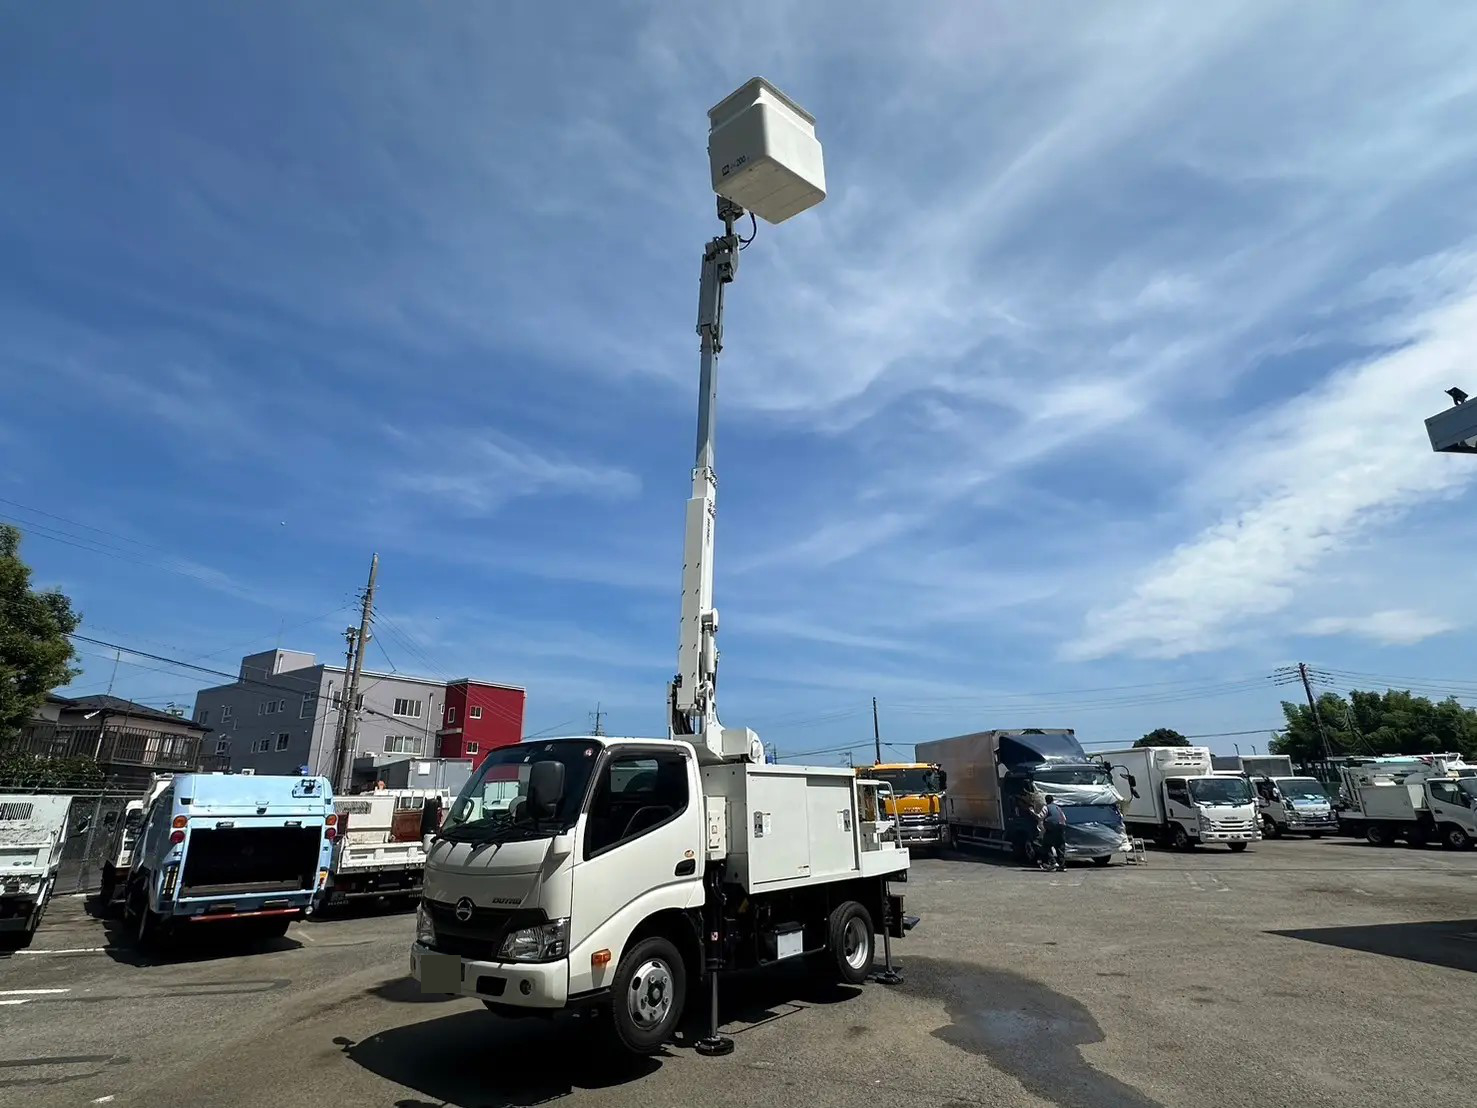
463,909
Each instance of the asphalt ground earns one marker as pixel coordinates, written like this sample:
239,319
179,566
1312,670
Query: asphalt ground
1298,973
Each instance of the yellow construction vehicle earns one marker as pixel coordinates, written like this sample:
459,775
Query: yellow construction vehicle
918,789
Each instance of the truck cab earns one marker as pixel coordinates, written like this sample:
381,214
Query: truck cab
33,830
592,871
217,848
916,799
1294,806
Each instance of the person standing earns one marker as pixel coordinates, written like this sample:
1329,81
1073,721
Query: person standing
1054,834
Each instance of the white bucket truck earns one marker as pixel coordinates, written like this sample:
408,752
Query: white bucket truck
380,848
1172,795
625,872
1419,800
33,829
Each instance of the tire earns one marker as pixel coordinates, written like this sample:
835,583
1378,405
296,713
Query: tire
1455,838
1271,828
851,943
108,887
647,995
1315,834
1179,838
1102,860
145,922
273,928
16,940
1236,848
1377,835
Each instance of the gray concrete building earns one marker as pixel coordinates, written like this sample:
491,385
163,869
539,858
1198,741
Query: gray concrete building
282,713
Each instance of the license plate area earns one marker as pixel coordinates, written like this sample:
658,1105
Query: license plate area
441,973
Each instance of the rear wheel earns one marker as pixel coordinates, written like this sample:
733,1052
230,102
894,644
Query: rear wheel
108,887
1179,838
647,995
1236,848
849,945
273,927
16,940
1377,835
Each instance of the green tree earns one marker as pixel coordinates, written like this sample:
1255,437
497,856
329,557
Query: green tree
1392,722
1163,736
33,771
35,653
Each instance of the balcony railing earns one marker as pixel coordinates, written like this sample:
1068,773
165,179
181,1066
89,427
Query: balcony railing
110,746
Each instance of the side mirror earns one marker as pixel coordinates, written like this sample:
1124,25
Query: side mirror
1276,794
545,788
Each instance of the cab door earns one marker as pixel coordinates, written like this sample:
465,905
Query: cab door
1450,806
1178,807
641,849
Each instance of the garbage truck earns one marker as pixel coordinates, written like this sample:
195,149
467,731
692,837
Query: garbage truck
997,780
229,848
630,875
1173,796
917,795
33,830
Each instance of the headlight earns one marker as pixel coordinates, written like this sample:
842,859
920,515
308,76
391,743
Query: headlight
547,942
425,930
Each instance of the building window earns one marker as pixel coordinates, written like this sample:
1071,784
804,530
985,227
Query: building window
260,709
471,748
338,701
226,712
404,744
476,711
261,746
309,706
282,740
281,705
223,746
450,716
204,716
270,708
408,709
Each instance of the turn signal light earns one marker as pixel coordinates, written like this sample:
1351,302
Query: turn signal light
599,958
180,821
176,838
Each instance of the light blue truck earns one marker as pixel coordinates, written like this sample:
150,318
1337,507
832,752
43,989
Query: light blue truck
218,848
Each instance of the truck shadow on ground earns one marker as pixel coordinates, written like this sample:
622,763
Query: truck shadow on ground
474,1058
1448,943
207,942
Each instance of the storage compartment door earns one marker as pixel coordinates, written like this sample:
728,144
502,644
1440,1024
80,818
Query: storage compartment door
832,826
778,829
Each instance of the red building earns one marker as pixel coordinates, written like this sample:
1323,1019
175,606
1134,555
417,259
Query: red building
479,717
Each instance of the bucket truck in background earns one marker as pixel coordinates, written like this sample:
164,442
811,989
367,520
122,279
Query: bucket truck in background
1418,799
629,873
33,830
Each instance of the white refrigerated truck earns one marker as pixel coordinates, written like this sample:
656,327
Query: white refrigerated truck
1419,800
624,872
1172,795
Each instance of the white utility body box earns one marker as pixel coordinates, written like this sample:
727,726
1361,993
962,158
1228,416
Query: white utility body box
797,825
764,154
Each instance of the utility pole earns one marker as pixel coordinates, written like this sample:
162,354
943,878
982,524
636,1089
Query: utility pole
599,728
348,719
876,731
1317,719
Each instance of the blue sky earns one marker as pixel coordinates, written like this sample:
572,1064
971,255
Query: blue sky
1102,367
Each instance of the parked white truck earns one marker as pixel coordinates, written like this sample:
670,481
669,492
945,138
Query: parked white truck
1287,803
1173,796
33,830
625,872
1419,800
125,838
380,849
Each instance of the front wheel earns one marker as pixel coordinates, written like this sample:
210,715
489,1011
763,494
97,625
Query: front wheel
1236,848
1102,859
1455,838
850,939
1315,834
647,995
1271,828
108,887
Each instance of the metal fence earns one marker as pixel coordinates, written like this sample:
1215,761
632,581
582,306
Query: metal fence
91,821
141,747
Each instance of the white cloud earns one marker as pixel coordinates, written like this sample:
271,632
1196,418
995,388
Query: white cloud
1396,627
1311,477
487,470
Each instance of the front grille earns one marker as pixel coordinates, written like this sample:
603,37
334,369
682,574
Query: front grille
480,937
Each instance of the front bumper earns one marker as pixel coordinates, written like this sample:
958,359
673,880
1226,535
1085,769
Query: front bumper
535,986
1243,835
1311,823
921,834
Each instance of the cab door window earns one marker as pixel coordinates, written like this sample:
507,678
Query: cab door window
1178,791
636,794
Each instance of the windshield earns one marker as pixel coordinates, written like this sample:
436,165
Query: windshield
1220,790
1468,785
490,805
909,782
1300,788
1081,775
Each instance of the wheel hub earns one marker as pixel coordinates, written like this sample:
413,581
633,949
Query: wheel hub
650,996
